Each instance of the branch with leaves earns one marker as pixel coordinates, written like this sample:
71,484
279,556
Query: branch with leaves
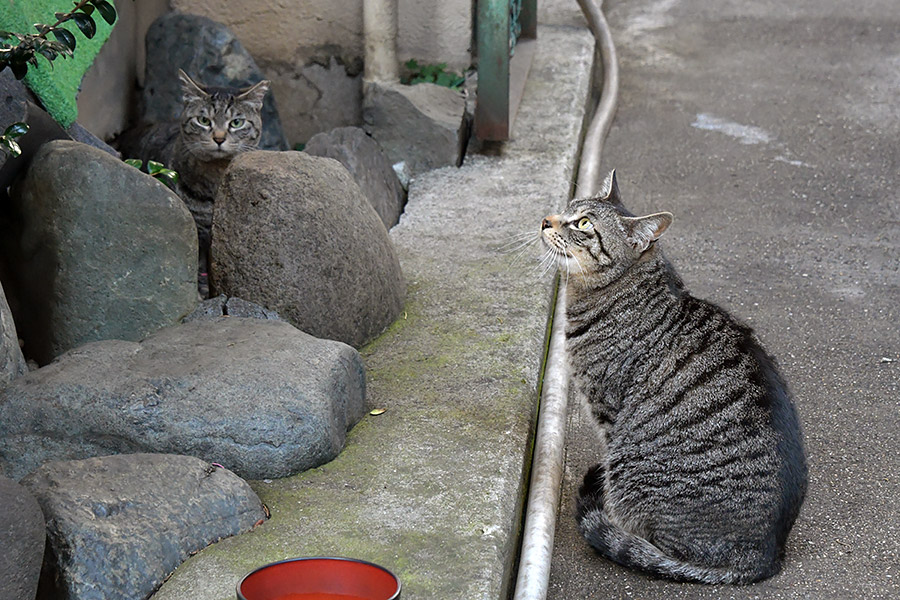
28,46
156,170
19,50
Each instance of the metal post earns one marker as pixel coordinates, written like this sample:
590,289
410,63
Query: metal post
492,39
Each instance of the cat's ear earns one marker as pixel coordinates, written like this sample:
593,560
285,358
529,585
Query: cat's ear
255,95
640,232
190,90
610,190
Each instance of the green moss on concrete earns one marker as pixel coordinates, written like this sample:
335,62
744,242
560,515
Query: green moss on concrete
447,392
433,488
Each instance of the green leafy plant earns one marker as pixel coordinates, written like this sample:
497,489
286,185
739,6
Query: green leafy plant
157,170
8,141
437,74
19,50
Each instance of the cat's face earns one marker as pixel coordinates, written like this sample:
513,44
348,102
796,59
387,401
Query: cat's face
218,123
595,240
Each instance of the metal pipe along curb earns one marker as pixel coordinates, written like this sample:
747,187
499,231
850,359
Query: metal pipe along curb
533,577
589,176
547,468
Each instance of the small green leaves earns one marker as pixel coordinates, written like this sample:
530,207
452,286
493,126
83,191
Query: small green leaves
156,170
18,51
85,24
8,141
10,146
106,10
64,36
50,50
16,130
167,176
436,74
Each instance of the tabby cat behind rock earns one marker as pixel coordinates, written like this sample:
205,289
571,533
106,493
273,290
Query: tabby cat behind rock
216,124
704,470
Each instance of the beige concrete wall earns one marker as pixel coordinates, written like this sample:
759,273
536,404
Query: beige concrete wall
311,50
278,30
436,31
274,30
107,90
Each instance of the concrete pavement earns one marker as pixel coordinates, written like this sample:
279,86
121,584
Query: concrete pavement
770,129
433,487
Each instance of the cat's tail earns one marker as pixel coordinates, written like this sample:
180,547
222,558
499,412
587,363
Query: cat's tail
633,551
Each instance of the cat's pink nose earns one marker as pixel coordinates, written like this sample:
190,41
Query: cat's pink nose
219,137
546,223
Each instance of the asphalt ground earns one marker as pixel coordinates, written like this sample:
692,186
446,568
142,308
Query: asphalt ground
772,131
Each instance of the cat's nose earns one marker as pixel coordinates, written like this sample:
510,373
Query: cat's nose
547,223
219,137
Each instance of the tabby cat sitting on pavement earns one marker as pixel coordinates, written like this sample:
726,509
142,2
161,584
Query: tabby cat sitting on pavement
703,471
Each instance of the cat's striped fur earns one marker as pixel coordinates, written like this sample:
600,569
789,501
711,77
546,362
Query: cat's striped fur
216,124
704,470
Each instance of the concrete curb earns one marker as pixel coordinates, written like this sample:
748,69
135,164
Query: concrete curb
433,488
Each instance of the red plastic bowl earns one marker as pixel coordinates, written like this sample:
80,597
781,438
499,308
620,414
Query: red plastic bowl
320,579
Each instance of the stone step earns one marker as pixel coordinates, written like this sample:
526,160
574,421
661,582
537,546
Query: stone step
433,488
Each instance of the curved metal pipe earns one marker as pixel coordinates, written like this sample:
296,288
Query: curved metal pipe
547,466
589,177
549,451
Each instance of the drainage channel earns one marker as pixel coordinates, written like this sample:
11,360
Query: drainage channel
549,451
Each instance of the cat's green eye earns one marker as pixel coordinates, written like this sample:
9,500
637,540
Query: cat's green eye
204,121
584,223
237,123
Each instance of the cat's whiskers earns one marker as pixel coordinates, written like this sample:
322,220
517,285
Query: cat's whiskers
581,270
519,246
514,242
550,260
194,145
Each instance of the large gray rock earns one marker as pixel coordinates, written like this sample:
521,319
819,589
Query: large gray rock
117,526
259,397
369,166
213,56
22,535
424,125
12,363
99,250
294,233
